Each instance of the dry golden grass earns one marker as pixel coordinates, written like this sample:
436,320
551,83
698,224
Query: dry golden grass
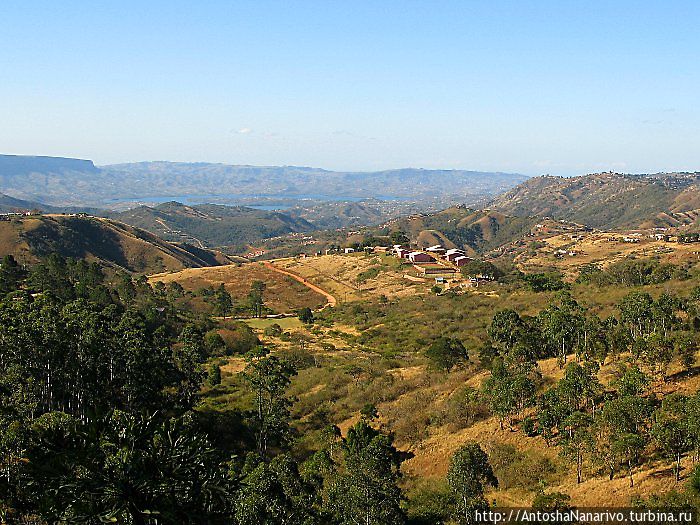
603,248
338,275
432,454
283,294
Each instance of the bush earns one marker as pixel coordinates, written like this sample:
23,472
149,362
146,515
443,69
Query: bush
464,408
274,330
545,282
514,468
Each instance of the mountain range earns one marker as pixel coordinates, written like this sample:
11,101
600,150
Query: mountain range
74,182
212,224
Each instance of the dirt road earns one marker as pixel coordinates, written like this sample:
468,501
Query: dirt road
332,301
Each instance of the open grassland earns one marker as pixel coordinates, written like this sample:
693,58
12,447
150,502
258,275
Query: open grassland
601,248
282,294
357,276
420,407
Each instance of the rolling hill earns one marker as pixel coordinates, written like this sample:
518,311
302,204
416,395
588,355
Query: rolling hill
211,224
113,243
461,227
609,200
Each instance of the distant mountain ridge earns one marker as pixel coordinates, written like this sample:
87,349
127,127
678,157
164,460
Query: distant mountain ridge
212,224
609,200
59,181
17,165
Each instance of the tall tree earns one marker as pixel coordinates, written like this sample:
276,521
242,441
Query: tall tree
365,490
469,474
268,377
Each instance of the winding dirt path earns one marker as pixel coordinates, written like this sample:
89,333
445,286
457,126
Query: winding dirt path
332,301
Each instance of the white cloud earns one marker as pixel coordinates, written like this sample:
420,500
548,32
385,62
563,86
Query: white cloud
244,131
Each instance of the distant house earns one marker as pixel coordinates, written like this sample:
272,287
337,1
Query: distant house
462,260
630,239
380,249
349,250
437,249
452,254
402,253
436,271
416,257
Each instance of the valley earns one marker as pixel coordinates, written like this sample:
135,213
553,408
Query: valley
434,329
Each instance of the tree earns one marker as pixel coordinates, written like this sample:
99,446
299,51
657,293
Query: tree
268,377
657,352
306,316
214,374
369,412
126,468
468,475
398,237
223,303
636,313
365,489
482,268
11,274
631,381
445,353
561,328
671,430
686,348
576,440
509,389
275,493
255,298
628,447
580,387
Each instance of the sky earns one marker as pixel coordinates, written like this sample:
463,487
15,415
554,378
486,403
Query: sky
563,87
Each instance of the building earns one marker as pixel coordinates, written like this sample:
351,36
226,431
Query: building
416,257
402,253
437,250
461,260
436,271
349,250
452,254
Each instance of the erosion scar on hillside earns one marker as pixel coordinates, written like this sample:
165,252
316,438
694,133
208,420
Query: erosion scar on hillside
332,301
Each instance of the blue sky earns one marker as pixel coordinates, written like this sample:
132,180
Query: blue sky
562,87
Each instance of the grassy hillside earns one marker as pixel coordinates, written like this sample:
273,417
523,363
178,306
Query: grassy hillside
211,224
282,294
113,243
608,200
475,231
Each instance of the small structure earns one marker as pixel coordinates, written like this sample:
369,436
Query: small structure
435,270
437,249
630,239
417,257
349,250
380,249
452,254
462,260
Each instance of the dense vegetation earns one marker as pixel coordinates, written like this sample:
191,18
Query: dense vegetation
116,404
